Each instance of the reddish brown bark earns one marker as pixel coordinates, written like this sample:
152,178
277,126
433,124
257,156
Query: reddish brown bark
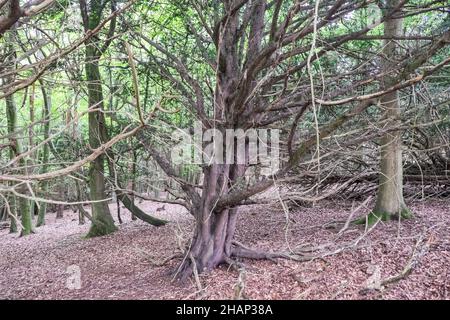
215,228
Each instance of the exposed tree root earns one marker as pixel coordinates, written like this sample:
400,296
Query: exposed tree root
189,265
375,216
160,263
240,251
372,218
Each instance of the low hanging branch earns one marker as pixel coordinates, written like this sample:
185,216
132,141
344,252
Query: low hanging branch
57,173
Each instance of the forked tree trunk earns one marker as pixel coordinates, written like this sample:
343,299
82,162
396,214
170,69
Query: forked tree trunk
215,228
390,202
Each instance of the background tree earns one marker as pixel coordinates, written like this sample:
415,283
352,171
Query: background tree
102,221
46,114
390,202
23,207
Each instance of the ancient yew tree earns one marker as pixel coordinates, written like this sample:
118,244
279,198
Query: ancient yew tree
346,98
262,67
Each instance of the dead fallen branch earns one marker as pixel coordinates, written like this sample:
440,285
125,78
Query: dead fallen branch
420,249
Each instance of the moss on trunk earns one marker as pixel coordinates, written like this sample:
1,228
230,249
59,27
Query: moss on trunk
102,221
22,204
375,216
26,220
101,227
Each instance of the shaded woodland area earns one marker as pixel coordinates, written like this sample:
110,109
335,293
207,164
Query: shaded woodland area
322,170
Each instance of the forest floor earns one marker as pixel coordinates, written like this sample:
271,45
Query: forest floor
124,265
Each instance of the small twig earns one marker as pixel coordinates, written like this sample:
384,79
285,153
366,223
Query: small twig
165,260
10,213
239,287
350,217
195,272
155,262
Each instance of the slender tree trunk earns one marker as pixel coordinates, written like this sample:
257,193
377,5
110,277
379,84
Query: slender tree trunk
118,210
132,181
390,202
31,128
60,211
82,213
62,196
13,223
23,206
3,213
32,157
45,153
11,123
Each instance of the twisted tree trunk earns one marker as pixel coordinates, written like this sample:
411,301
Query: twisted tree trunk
215,229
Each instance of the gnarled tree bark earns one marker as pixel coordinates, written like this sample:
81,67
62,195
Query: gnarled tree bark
215,228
